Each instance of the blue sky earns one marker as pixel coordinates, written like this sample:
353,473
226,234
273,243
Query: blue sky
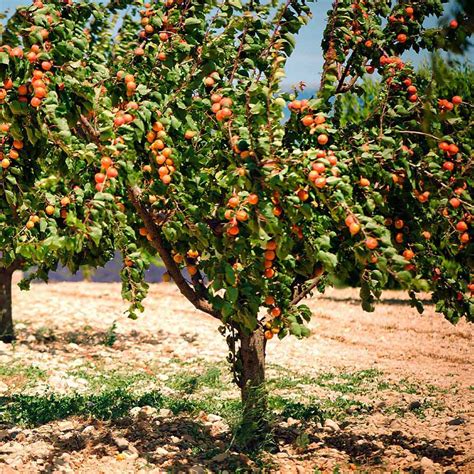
305,64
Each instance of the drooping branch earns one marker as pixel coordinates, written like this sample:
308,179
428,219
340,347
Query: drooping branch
198,299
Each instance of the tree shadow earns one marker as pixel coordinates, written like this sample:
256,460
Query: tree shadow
387,301
179,443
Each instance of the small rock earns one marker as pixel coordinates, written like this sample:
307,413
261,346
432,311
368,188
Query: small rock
31,338
282,454
161,451
220,457
131,454
3,387
291,421
426,463
65,426
456,421
351,410
330,425
165,413
451,434
89,430
197,470
147,412
175,439
9,448
121,443
213,418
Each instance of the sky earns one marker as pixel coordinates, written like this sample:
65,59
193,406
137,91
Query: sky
306,61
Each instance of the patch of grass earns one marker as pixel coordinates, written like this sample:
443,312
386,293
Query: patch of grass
337,409
419,411
110,335
114,379
354,382
37,410
297,410
45,334
190,382
28,371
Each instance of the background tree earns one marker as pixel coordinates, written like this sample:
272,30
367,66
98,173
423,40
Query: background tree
174,130
37,228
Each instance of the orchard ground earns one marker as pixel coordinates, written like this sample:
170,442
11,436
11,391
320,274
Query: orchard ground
384,392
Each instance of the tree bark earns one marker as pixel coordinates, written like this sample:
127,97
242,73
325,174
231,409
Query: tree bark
6,320
255,422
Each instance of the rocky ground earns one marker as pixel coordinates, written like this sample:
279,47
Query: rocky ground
86,390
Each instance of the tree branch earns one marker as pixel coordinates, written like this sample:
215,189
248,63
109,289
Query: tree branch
198,300
300,296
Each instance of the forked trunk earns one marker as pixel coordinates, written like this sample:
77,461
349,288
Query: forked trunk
255,423
6,321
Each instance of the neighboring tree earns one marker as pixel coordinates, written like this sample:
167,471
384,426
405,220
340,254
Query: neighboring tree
37,229
176,122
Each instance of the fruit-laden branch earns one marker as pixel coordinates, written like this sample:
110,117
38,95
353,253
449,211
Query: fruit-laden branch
330,53
197,298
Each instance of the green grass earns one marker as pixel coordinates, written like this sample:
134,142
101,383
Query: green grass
113,379
190,382
36,410
111,393
28,371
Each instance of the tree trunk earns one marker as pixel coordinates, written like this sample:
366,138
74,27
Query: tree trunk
254,429
6,321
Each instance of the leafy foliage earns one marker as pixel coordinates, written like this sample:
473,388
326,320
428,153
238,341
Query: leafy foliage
163,126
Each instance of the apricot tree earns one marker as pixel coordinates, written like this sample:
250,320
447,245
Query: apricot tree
168,116
37,228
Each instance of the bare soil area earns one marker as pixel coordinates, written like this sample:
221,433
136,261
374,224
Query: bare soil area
390,391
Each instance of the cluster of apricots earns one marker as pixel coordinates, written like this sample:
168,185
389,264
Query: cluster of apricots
352,224
211,79
149,29
14,152
409,12
354,228
144,233
315,122
446,105
411,90
245,153
123,116
451,150
162,153
318,168
299,106
462,228
272,326
108,171
37,90
130,84
269,259
221,107
191,260
235,214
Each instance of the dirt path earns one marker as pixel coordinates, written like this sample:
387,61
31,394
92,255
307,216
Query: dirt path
411,393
